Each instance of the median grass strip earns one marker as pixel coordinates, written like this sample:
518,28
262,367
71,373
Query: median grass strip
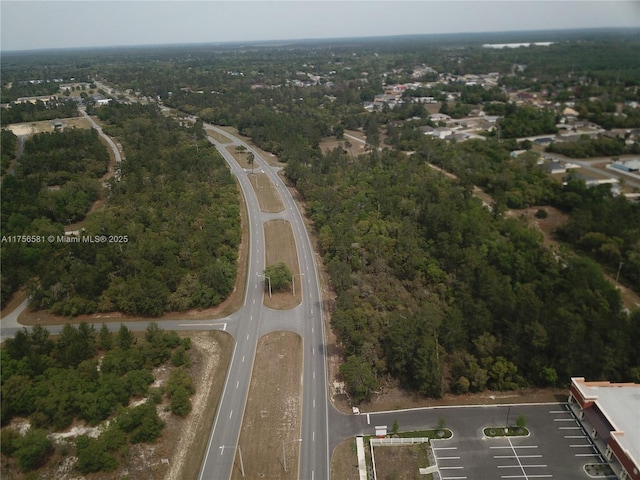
281,247
273,410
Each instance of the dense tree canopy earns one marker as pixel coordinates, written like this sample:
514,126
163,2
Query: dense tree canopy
440,292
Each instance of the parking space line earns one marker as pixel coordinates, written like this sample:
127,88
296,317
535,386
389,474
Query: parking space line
450,468
581,445
570,428
445,448
527,476
527,466
518,446
453,478
448,458
574,436
564,419
517,456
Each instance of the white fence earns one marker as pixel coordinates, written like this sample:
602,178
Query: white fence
398,441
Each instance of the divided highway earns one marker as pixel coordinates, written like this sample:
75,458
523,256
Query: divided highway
253,320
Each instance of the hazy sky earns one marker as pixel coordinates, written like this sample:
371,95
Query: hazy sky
62,24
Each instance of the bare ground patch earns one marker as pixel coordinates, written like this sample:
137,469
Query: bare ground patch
273,410
401,462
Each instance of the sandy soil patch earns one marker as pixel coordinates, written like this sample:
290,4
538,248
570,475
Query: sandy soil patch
273,410
31,128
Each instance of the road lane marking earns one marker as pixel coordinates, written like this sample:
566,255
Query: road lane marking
314,403
231,413
570,428
368,420
242,358
564,420
238,384
574,436
578,446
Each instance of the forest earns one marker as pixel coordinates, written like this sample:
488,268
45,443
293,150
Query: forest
54,382
54,183
447,296
176,203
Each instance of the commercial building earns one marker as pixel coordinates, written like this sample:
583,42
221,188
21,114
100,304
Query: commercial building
610,414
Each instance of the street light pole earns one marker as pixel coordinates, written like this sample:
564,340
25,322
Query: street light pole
506,430
269,279
293,281
241,464
284,454
235,448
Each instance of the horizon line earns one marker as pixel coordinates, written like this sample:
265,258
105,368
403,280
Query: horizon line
289,41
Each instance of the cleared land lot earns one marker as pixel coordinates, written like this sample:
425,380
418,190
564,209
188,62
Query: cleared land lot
273,410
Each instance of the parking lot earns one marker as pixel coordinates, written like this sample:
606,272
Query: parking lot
557,446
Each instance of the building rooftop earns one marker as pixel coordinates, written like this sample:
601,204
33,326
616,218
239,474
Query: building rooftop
620,403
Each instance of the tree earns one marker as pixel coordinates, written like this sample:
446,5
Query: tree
33,450
359,377
125,338
280,276
250,159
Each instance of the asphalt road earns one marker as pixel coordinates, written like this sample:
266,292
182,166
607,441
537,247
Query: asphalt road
254,320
